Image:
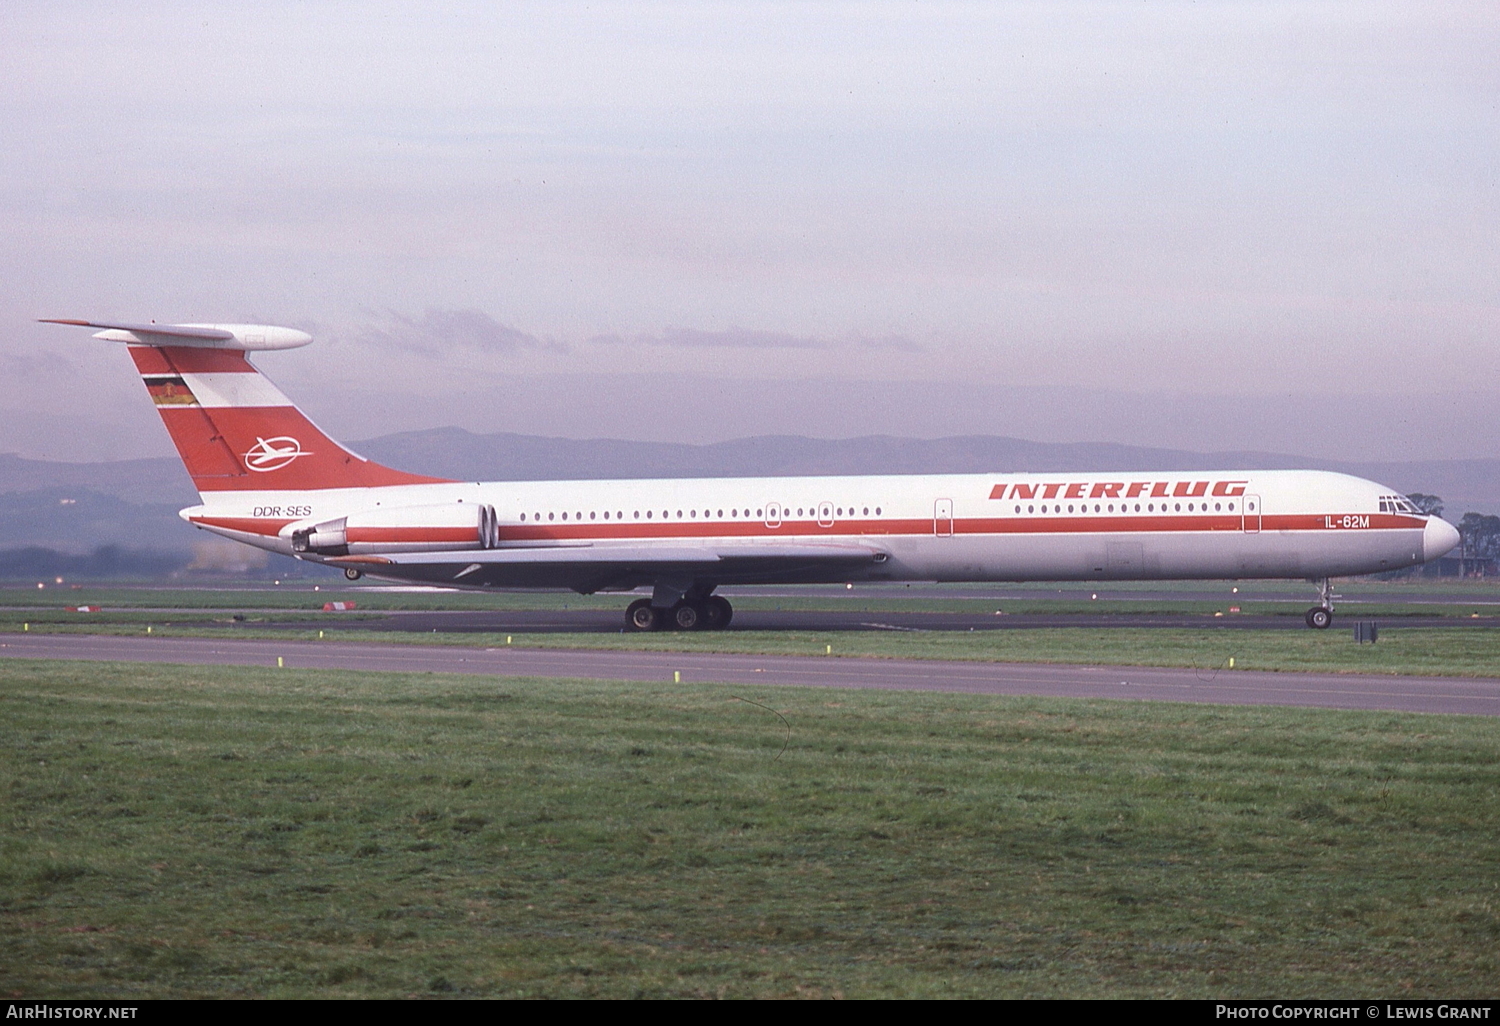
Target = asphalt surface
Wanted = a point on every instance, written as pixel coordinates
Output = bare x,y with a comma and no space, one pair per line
1467,696
612,621
1229,592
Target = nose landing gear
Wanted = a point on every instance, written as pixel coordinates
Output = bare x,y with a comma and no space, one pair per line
1319,617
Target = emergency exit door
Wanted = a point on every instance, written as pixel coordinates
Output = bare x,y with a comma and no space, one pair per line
1251,513
942,518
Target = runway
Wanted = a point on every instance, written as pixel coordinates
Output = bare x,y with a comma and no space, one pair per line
1467,696
612,621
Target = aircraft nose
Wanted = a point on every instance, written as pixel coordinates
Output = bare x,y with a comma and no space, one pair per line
1438,537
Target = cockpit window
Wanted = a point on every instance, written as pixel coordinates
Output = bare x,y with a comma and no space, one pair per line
1398,504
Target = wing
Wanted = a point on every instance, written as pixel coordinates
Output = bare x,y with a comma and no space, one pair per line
590,568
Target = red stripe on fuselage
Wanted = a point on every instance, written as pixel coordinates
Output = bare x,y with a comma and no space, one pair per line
852,529
998,526
246,525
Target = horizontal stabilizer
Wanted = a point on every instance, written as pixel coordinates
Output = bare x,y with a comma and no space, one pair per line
244,337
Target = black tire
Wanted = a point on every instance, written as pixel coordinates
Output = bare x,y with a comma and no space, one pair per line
686,616
1319,618
640,615
352,573
718,612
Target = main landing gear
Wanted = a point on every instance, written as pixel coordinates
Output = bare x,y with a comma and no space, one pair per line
1319,617
710,613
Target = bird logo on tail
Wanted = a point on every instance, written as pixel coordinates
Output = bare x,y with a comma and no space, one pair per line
269,454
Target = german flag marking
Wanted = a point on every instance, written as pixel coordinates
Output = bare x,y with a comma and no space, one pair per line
170,391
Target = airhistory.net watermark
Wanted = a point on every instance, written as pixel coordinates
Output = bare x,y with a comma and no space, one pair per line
42,1010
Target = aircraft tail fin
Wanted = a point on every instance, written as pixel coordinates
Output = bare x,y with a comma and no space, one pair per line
233,428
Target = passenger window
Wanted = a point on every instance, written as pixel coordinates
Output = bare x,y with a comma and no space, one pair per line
565,516
1030,509
523,518
877,511
550,516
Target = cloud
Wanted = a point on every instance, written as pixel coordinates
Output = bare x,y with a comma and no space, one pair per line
897,343
440,331
731,338
745,338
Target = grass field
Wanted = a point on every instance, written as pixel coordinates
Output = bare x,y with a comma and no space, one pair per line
232,832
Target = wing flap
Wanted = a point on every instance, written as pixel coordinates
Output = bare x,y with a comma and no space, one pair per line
618,555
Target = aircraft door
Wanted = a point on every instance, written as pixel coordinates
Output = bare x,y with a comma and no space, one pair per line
825,514
773,514
1250,514
942,518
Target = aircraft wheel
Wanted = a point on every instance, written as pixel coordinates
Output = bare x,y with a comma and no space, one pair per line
640,615
1319,618
717,612
687,616
352,573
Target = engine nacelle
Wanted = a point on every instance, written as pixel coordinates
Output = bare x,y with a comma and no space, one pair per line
453,525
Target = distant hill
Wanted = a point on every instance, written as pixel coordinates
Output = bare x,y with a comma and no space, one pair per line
453,452
134,502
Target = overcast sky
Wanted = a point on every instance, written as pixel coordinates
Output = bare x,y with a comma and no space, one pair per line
584,220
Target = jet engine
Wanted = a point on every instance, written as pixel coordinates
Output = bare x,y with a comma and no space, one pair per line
450,526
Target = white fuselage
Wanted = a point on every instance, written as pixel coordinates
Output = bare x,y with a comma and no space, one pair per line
968,527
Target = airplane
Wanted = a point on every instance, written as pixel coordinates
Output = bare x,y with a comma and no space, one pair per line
269,477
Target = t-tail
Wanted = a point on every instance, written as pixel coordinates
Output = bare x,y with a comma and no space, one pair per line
233,428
